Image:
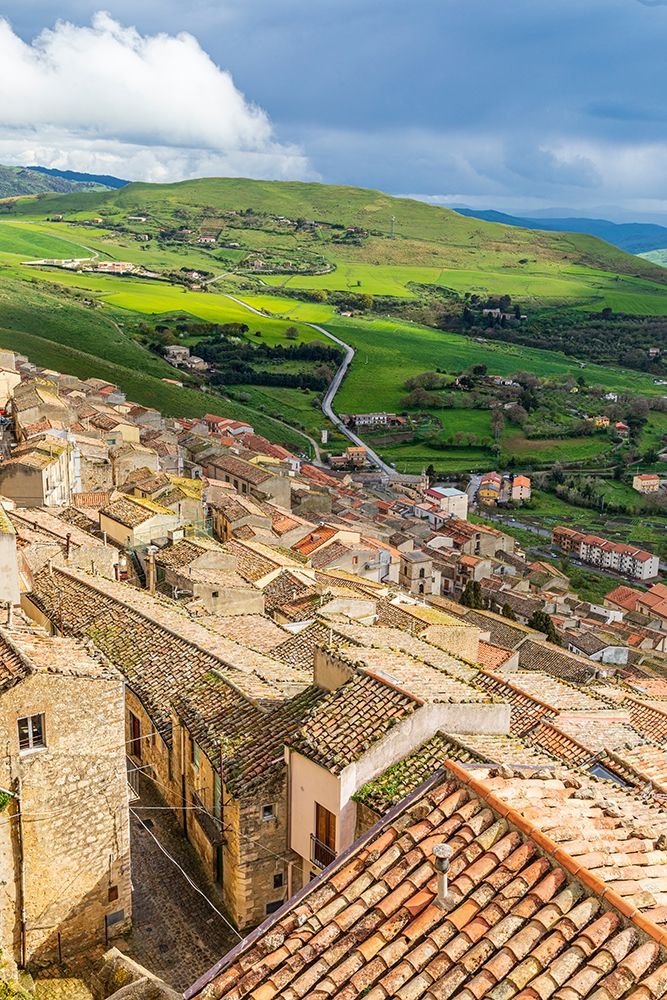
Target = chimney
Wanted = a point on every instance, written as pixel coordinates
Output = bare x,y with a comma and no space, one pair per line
150,568
442,853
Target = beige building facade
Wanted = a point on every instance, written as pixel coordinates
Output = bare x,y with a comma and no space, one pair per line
64,832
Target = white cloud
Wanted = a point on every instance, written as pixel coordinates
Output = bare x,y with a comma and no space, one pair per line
155,107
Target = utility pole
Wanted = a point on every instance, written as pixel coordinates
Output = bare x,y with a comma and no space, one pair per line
392,231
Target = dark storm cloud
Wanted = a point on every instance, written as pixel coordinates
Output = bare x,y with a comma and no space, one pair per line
556,99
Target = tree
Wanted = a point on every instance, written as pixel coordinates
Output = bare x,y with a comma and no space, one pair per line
472,595
292,333
497,423
542,622
508,612
431,473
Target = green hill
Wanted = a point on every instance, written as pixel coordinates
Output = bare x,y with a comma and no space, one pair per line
407,284
16,182
425,234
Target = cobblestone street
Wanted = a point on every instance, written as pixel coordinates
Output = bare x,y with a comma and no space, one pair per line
176,934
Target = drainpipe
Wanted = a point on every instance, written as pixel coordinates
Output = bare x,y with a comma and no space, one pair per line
21,860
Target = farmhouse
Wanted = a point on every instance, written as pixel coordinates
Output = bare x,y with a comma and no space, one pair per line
646,482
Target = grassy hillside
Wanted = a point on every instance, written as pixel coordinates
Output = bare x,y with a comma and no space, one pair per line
298,253
18,181
462,238
58,331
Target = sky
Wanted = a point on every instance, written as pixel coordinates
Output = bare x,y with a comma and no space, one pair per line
520,106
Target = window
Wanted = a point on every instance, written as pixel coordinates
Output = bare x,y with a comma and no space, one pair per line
195,753
32,734
272,907
113,893
135,736
278,881
215,593
267,812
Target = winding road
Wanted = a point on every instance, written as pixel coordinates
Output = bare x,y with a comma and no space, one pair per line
327,401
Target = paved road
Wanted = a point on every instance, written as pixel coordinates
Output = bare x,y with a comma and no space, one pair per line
327,401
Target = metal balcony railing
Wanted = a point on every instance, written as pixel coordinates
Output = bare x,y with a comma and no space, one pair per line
321,854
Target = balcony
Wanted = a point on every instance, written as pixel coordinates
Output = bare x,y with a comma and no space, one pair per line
321,854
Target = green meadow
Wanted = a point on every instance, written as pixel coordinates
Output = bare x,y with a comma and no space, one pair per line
84,320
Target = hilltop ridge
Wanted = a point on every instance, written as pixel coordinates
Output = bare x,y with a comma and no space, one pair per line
424,233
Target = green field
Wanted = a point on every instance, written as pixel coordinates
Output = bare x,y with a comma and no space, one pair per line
84,320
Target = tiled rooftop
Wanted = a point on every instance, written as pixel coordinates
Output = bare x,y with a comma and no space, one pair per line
159,650
547,658
133,511
402,778
251,565
517,920
563,696
424,680
385,637
349,720
503,632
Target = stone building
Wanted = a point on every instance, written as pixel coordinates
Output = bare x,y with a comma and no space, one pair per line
416,572
42,473
206,720
64,832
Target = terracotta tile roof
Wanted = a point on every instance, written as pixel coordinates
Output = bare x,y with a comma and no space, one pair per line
517,920
160,651
328,555
13,666
133,511
547,658
385,637
526,710
259,762
602,733
492,657
285,586
649,762
609,830
255,631
625,597
251,565
241,470
552,739
349,720
314,540
648,719
180,554
94,499
503,632
649,688
426,681
299,649
385,791
554,691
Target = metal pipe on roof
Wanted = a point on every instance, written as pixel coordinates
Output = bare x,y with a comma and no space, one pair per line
442,854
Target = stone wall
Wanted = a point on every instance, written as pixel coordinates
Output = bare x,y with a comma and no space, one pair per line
72,838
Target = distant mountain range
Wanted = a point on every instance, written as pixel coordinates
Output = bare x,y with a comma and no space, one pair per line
634,237
98,180
17,181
